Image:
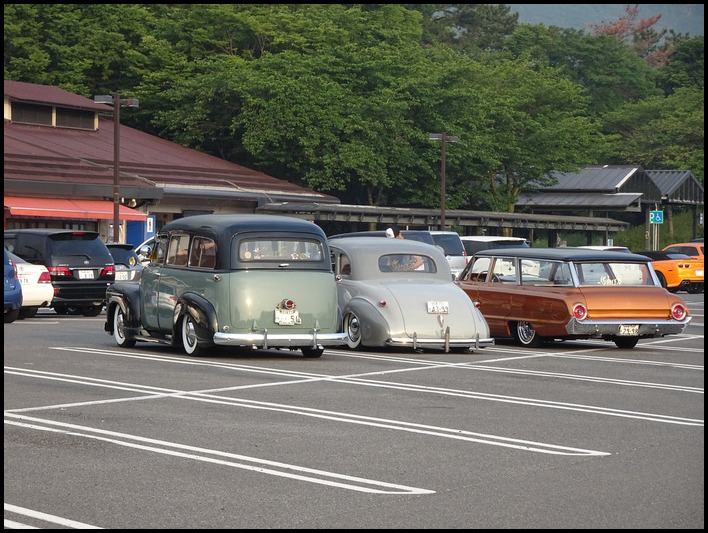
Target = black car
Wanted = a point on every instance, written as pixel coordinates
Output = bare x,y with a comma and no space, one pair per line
79,263
128,264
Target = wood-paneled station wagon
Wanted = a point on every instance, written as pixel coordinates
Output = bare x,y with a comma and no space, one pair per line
541,294
258,281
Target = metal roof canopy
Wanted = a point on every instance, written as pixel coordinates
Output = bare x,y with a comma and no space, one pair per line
402,216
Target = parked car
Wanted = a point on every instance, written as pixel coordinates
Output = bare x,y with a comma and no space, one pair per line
79,263
13,289
677,271
410,234
128,264
692,249
384,302
258,281
606,248
477,243
453,249
541,294
37,289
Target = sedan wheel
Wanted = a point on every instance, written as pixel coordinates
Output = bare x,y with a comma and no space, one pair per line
190,342
119,329
352,327
312,352
28,312
526,335
94,310
11,316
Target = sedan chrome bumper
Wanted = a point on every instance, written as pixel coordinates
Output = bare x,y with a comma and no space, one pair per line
266,340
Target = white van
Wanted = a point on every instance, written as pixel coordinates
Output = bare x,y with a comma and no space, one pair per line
475,243
453,249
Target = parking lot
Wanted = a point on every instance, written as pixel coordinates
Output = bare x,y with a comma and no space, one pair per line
570,435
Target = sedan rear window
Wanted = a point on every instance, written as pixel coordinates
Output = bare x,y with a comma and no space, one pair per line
279,250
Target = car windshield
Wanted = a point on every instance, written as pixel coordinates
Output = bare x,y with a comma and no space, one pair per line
279,250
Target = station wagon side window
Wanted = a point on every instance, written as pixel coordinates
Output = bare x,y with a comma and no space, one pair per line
178,250
504,270
203,253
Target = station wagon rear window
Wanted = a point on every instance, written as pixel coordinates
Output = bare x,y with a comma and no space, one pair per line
258,250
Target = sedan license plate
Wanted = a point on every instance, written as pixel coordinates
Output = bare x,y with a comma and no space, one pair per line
631,330
438,308
85,274
287,317
24,280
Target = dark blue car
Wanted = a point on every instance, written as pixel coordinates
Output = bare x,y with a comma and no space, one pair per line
13,289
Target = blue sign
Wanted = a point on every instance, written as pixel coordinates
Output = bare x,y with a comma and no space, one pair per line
656,217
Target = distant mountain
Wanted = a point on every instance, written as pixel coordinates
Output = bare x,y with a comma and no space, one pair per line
681,18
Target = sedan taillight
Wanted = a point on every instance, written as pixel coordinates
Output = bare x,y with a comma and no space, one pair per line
44,277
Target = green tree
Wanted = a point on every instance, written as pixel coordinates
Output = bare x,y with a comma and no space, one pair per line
661,132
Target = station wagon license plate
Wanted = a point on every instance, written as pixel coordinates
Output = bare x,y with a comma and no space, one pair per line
438,308
631,330
287,317
85,274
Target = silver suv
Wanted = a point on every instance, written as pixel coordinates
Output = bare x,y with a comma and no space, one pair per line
453,249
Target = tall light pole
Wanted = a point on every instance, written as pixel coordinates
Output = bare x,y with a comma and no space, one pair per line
117,104
444,139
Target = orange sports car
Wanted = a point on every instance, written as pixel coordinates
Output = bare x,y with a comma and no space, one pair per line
693,249
677,271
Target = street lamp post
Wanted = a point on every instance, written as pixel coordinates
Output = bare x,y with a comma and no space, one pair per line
444,139
117,104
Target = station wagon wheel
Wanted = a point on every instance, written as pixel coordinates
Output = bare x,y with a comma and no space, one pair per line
119,329
190,342
309,351
526,335
626,343
352,327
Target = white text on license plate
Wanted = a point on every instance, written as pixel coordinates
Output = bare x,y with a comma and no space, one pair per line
438,308
629,329
85,274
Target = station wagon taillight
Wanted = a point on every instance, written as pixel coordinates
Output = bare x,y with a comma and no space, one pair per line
580,312
678,312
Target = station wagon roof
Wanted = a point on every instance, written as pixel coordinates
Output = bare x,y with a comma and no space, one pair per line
563,254
232,224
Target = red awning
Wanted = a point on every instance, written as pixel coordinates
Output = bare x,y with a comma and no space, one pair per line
60,208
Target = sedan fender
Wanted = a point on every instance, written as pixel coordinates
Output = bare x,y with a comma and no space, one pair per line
202,313
375,327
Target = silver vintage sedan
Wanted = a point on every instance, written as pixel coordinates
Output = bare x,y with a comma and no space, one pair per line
400,293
